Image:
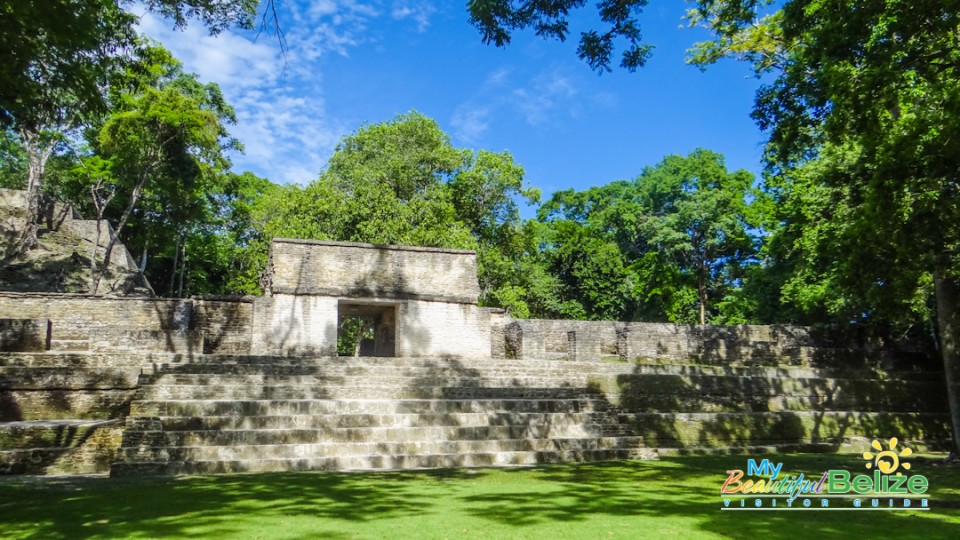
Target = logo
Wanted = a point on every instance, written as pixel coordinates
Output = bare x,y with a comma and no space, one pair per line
887,461
766,485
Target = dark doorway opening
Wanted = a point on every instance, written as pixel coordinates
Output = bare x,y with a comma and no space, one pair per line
366,329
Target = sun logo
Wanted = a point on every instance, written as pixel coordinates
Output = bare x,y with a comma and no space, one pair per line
887,461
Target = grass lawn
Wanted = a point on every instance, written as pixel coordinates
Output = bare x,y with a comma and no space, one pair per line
672,498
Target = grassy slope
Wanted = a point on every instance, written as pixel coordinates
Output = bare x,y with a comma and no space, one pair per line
674,498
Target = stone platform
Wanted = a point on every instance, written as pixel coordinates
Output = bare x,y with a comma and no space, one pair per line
181,414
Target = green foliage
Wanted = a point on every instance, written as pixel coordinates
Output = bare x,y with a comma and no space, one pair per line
497,19
862,151
57,55
217,15
677,238
402,182
156,165
13,161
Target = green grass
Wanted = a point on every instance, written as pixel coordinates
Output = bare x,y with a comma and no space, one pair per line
674,498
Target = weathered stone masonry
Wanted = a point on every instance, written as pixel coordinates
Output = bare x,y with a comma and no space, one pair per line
432,294
206,385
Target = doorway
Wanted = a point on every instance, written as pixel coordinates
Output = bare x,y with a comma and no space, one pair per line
366,329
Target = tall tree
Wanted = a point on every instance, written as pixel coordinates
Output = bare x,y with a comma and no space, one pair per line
403,182
55,59
699,218
684,231
877,79
164,140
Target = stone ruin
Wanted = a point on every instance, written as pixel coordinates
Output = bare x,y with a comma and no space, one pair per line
136,386
423,300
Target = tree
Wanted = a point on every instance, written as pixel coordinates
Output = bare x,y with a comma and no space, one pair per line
403,182
165,140
497,19
683,232
55,59
873,78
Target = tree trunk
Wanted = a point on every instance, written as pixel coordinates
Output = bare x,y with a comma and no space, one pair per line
702,292
114,234
176,261
183,268
38,153
93,255
948,318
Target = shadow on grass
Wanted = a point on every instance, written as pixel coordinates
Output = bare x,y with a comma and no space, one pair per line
194,506
683,493
677,494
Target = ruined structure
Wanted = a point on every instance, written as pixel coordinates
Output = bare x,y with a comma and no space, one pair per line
424,300
206,385
61,261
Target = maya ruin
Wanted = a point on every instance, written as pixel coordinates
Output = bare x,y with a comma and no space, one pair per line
141,385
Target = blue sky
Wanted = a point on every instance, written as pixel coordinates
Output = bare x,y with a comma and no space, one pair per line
356,62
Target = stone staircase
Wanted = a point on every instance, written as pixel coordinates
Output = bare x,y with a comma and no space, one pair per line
162,413
252,414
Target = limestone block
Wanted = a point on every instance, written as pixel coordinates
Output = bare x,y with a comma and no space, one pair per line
291,325
24,335
352,270
442,329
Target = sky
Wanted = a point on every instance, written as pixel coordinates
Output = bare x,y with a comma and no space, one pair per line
351,63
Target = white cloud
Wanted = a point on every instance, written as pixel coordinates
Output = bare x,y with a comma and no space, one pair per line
548,94
227,59
419,12
282,120
278,122
540,100
470,123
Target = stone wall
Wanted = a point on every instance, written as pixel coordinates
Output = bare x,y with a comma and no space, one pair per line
96,323
286,324
444,330
13,216
434,292
352,270
744,345
24,335
72,234
52,386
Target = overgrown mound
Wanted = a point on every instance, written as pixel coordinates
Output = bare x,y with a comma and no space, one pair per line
60,262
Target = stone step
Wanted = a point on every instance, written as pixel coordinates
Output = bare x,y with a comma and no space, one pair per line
372,379
64,404
69,345
391,420
58,447
140,437
629,386
748,450
48,433
53,359
243,452
713,403
358,406
292,392
640,386
377,462
51,378
267,429
419,366
682,430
